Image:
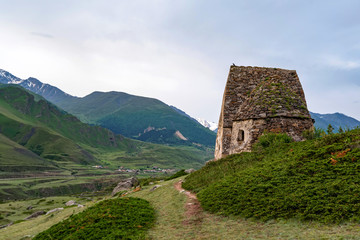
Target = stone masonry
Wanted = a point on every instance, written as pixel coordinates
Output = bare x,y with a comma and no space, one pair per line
256,100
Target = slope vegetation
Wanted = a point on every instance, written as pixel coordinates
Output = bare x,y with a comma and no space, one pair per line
311,180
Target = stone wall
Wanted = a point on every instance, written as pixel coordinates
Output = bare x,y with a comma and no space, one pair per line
254,128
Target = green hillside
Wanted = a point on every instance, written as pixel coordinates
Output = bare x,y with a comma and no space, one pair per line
316,179
55,135
131,115
47,131
16,158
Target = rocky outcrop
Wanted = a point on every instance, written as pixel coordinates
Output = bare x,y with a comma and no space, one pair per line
54,210
125,185
35,214
70,203
155,187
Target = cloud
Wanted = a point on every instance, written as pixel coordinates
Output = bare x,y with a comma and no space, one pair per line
44,35
180,51
336,62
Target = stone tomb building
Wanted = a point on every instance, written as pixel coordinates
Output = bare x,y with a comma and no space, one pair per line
260,99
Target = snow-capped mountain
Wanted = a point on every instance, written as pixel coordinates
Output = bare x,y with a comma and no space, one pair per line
210,125
49,92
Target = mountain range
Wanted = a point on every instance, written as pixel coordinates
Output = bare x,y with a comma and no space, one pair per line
38,136
146,119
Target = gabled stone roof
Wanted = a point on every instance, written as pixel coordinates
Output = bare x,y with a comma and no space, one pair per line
274,96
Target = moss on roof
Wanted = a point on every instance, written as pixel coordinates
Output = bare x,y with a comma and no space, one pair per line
273,97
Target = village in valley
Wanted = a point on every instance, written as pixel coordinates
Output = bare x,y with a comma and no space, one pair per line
153,169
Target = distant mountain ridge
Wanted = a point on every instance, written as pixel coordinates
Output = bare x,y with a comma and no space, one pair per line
49,92
336,120
124,113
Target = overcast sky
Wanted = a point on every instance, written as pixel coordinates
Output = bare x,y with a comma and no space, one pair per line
180,51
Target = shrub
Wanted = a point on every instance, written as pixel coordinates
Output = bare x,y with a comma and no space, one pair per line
119,218
177,174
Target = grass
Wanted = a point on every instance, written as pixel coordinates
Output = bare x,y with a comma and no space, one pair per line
149,155
39,224
17,210
177,174
45,186
311,180
169,207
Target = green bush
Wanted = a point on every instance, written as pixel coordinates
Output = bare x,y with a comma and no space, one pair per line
177,174
311,180
272,139
119,218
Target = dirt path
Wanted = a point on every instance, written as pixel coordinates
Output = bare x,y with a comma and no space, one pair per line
193,211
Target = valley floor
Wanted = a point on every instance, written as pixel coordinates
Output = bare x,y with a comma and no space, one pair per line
180,217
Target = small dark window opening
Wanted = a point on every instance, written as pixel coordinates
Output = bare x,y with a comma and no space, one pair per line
241,136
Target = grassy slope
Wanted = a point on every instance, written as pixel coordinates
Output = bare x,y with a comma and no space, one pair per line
311,180
170,209
15,211
14,157
130,115
169,206
23,104
39,224
58,136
